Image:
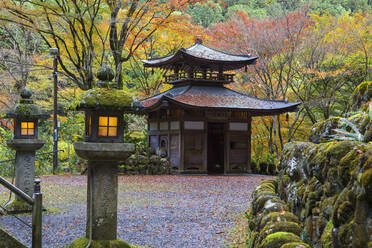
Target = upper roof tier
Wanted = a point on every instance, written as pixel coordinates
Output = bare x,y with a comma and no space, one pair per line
199,57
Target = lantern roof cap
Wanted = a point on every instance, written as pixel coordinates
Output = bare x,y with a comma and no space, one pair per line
106,99
26,107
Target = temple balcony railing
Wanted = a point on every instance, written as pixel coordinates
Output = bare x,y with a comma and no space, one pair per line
199,76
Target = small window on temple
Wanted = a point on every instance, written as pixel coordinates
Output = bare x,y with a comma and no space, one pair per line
27,128
108,126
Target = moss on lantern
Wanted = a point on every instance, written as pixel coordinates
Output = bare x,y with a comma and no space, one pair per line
28,110
106,98
26,107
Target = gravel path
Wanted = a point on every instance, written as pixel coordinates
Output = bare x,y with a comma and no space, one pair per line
153,211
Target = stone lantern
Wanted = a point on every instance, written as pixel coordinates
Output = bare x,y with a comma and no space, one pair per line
104,149
26,116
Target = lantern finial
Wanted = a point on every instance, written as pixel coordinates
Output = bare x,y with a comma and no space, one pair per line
26,96
105,75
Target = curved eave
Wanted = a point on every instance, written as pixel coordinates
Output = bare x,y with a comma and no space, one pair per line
292,107
181,55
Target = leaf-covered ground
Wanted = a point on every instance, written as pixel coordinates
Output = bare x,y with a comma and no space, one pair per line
153,211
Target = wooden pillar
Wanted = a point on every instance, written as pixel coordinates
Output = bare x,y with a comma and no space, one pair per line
148,132
205,148
249,168
204,73
182,142
169,136
220,72
176,71
227,168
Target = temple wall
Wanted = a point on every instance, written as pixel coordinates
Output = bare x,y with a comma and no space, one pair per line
186,139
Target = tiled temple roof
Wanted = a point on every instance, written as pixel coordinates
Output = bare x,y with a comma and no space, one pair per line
218,97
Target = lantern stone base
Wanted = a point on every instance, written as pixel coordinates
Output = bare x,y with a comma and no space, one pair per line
25,145
102,193
25,163
104,151
83,242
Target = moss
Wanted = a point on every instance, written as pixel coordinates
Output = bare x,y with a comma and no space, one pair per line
347,165
367,183
338,150
17,205
285,226
329,155
266,185
365,123
370,244
83,242
276,240
322,130
344,208
368,135
345,234
259,203
327,206
367,158
295,245
284,180
326,238
51,210
278,217
275,205
28,110
362,94
364,88
251,239
106,98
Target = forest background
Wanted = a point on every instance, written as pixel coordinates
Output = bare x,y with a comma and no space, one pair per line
314,52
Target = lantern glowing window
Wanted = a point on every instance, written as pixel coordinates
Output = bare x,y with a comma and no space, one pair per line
108,126
27,128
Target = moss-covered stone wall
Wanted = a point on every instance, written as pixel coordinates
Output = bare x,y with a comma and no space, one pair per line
271,224
322,196
328,187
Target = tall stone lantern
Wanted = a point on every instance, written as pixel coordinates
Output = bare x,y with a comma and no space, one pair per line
104,149
26,116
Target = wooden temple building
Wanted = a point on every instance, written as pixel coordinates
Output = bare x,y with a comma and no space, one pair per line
200,125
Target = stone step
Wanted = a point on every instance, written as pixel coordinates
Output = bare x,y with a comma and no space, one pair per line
8,241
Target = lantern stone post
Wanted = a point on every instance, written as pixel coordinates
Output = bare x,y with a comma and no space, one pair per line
25,117
104,149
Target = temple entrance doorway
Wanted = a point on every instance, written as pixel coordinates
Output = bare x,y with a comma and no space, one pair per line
216,148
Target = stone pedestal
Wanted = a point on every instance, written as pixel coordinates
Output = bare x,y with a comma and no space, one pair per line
25,163
103,160
103,187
